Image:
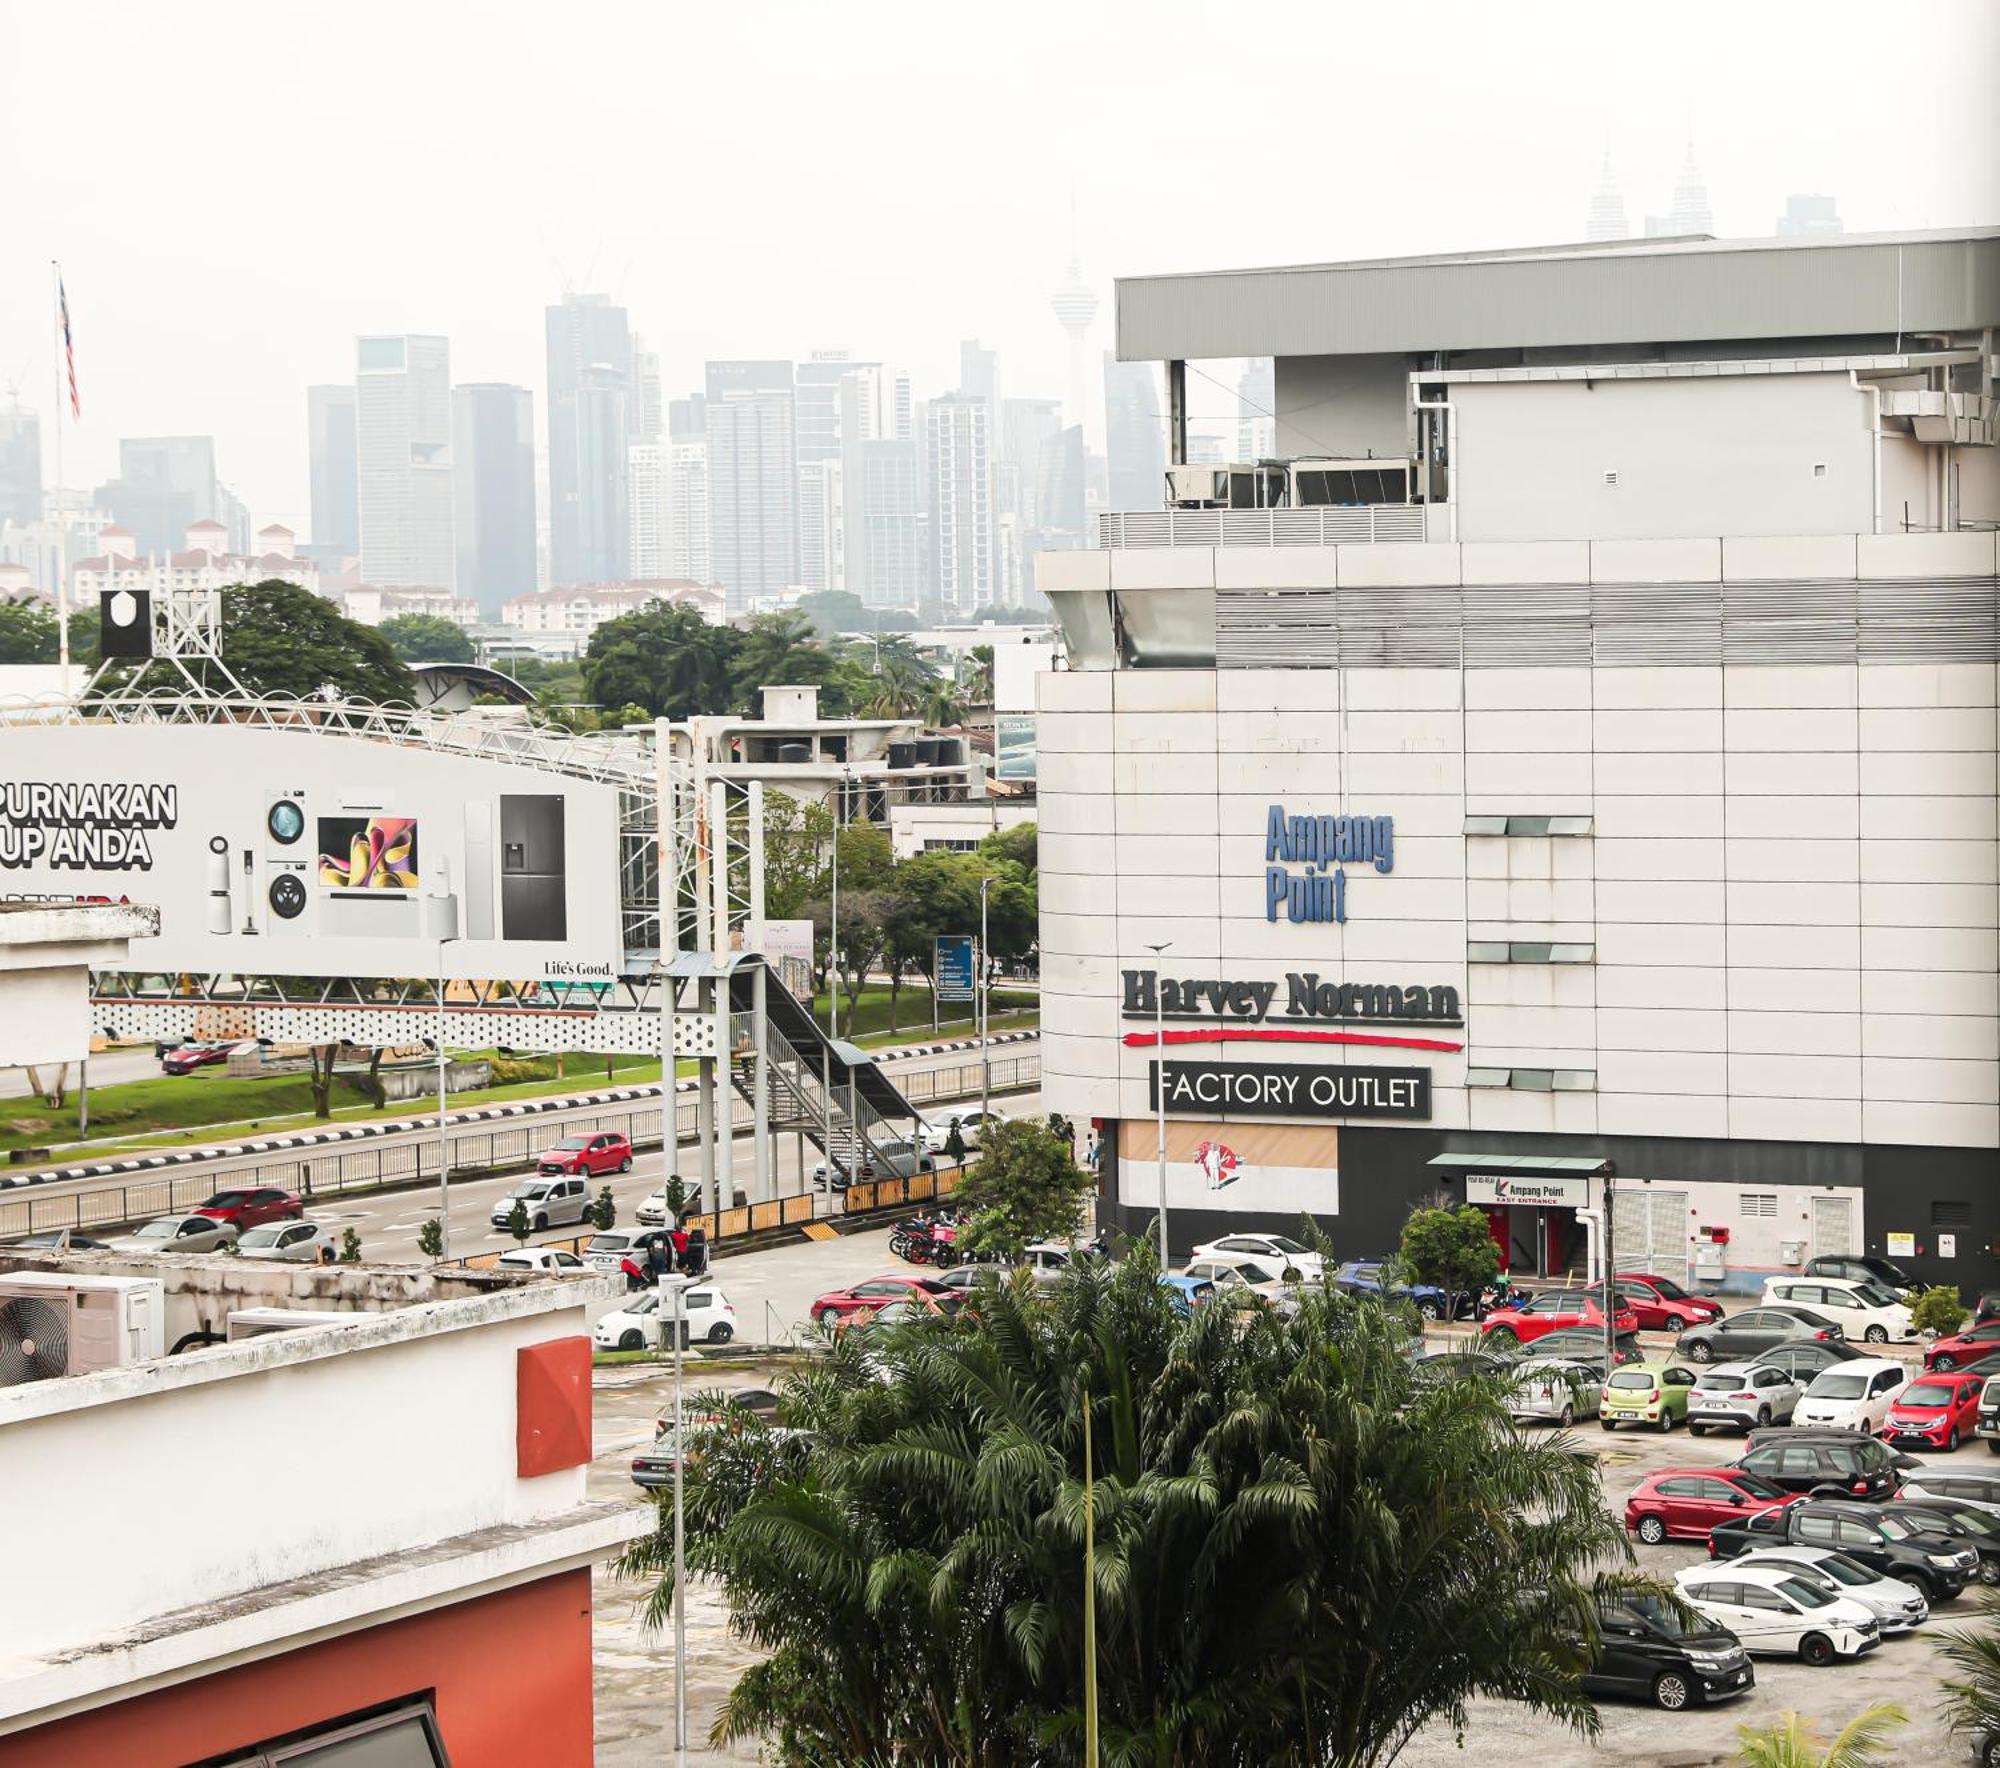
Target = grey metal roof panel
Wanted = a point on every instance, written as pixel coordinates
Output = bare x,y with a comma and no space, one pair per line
1661,290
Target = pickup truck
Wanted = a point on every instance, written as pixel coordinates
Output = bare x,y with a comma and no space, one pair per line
1894,1546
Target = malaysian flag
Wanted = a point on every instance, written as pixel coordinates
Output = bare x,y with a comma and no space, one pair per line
69,347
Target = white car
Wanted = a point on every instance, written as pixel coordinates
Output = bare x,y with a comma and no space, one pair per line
1773,1611
644,1323
1273,1254
295,1243
190,1233
1555,1391
971,1126
1741,1395
1897,1606
1047,1259
1854,1395
1236,1280
1864,1312
550,1261
653,1211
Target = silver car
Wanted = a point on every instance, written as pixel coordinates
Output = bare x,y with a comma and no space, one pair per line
1899,1606
1554,1391
292,1243
1741,1396
550,1201
881,1160
191,1233
1976,1486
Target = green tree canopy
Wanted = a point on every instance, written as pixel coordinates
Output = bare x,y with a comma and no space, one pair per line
1026,1186
1302,1555
1450,1248
28,633
280,639
779,650
664,658
427,638
1017,845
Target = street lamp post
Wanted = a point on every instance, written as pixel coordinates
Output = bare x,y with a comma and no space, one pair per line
441,923
1160,1089
985,1051
673,1284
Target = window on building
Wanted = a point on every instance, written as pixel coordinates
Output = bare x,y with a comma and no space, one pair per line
1950,1212
1519,826
1758,1205
1528,951
402,1736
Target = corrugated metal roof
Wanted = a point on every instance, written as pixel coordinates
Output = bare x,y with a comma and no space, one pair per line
1634,292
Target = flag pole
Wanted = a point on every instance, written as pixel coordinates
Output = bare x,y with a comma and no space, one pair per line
62,507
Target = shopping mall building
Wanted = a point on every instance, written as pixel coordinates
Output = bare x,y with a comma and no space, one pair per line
1570,765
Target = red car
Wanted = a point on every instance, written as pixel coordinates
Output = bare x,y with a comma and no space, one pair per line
1936,1411
1684,1503
1964,1347
252,1208
1663,1305
1553,1310
590,1155
189,1057
838,1306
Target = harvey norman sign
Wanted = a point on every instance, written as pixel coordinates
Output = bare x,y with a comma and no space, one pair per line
1307,995
1269,1089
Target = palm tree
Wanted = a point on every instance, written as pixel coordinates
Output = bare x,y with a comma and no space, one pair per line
1301,1556
1972,1701
1794,1742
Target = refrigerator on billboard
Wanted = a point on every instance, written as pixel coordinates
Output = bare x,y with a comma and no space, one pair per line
533,876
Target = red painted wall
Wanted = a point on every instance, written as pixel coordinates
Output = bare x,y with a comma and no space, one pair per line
511,1673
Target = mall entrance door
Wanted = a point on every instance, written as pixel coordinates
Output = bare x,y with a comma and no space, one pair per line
1536,1240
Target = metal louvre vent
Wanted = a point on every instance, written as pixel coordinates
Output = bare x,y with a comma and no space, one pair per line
1835,620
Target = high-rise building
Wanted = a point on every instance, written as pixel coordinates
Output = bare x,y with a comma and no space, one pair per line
1025,425
336,510
591,408
651,509
816,403
1805,217
234,515
1135,436
649,408
1059,485
687,419
1606,220
888,568
687,509
753,483
822,526
20,465
164,484
1690,213
1256,409
493,492
402,445
959,469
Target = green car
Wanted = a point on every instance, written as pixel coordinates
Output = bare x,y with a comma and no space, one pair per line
1646,1393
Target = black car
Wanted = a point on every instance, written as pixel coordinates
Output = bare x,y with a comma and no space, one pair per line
1863,1270
1901,1460
1966,1524
1664,1652
1895,1546
1744,1337
1857,1466
1583,1344
1803,1358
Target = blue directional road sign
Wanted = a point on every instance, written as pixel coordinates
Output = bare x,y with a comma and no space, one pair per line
953,967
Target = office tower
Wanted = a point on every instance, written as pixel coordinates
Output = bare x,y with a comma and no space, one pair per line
687,419
822,526
1690,213
164,485
1805,217
1606,220
234,515
493,492
753,484
1026,424
651,512
1256,405
1135,436
816,403
961,502
649,410
402,444
979,378
336,511
20,466
886,533
687,509
590,408
1059,485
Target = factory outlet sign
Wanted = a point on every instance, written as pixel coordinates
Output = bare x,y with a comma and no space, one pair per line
1536,1193
1306,860
1307,996
1258,1089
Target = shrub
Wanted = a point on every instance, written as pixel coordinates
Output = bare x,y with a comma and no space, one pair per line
604,1212
1938,1310
430,1239
518,1224
509,1071
350,1248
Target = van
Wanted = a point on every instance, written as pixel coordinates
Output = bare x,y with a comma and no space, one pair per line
549,1202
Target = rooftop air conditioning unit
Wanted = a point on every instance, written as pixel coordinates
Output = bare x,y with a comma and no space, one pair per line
261,1322
55,1323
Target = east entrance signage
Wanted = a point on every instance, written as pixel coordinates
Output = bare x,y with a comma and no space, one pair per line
1535,1193
1307,995
1259,1089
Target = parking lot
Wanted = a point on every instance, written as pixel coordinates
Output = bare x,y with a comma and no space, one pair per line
634,1669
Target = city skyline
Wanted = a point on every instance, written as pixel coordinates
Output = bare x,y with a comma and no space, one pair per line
713,270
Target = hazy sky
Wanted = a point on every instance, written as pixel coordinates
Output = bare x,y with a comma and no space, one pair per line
236,189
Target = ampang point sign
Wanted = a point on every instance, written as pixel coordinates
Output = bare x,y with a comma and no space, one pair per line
1324,846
